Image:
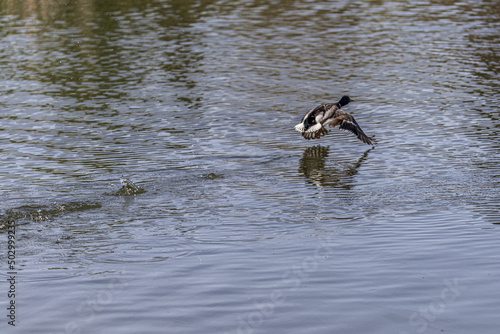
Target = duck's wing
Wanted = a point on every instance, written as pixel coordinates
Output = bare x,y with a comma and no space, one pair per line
347,122
309,119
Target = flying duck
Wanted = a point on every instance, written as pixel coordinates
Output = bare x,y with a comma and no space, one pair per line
313,124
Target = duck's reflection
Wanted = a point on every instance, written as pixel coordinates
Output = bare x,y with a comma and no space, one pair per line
312,166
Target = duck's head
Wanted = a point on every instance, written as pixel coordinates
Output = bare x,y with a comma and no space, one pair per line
344,100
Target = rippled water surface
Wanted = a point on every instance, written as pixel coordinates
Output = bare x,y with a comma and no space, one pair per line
238,224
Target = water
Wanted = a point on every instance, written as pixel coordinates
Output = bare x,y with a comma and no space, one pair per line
237,224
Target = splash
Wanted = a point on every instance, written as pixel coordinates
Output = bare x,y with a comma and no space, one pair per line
128,188
38,213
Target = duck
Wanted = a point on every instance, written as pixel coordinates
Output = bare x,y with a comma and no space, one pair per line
313,124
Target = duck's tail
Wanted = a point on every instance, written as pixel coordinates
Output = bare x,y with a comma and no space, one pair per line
300,127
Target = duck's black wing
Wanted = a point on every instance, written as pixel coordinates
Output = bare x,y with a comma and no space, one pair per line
347,122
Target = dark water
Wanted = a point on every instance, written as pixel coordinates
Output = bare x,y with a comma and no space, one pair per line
239,224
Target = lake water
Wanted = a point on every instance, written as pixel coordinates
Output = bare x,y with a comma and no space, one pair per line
238,224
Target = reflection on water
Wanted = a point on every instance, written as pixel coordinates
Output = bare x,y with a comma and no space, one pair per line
312,166
195,101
